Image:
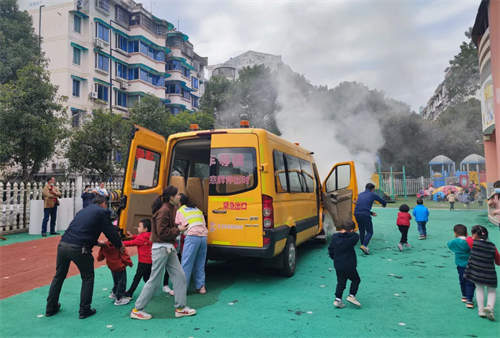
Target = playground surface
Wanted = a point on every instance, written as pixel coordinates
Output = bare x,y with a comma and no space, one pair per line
414,293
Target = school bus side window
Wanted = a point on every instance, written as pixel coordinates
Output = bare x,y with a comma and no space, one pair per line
305,167
340,178
146,169
280,172
294,174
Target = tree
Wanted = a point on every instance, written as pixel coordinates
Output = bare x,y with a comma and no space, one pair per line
215,96
18,41
463,81
31,120
151,114
92,148
180,123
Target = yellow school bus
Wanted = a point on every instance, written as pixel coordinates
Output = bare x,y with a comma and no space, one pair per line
261,195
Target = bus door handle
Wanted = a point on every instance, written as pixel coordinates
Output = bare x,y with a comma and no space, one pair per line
219,211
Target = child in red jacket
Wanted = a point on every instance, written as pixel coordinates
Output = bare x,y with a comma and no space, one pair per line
403,223
144,246
117,263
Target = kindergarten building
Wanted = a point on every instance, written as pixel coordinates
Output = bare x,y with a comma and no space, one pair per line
486,37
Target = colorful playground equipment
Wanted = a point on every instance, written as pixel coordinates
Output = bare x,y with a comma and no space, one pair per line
442,162
466,174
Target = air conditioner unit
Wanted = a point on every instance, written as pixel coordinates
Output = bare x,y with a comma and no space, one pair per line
199,75
93,95
79,4
99,44
123,85
133,18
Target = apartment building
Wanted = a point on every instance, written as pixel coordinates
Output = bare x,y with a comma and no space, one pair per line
439,101
111,53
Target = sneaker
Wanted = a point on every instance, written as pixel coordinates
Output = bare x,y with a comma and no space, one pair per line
353,300
339,304
87,314
168,290
400,247
365,249
489,314
127,295
44,234
421,237
469,304
464,299
112,296
138,314
201,290
407,245
481,314
122,301
185,311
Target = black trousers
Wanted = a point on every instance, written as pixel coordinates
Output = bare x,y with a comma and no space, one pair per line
452,205
143,272
119,283
403,229
342,277
67,253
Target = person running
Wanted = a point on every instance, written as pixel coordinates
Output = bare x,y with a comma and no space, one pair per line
363,213
451,198
421,214
403,223
163,234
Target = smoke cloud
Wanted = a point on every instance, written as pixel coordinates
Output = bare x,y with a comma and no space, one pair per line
329,129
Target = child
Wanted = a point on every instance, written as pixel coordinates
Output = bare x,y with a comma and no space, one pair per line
421,214
144,246
403,223
341,250
451,199
466,199
479,199
117,263
481,270
462,252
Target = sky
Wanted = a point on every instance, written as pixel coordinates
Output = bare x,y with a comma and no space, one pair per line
401,47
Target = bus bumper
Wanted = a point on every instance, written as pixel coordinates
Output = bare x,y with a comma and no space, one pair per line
216,252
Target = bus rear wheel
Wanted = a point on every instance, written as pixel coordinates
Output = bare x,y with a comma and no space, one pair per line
289,257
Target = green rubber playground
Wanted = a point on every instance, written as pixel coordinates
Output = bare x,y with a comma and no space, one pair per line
414,293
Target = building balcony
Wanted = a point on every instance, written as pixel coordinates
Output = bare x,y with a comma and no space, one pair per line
178,99
139,58
176,75
139,30
144,87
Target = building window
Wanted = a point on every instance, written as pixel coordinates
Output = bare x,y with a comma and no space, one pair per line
174,41
122,71
133,46
195,102
121,42
185,71
185,94
121,99
161,30
102,32
76,119
194,82
104,5
174,88
101,62
77,24
122,15
76,56
76,88
102,91
175,111
173,65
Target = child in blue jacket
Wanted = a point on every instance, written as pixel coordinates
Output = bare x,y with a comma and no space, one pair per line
421,214
461,249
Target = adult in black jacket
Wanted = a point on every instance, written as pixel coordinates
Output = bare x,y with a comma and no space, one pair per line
76,246
342,252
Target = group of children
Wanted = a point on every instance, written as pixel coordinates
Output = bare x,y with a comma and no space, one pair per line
475,258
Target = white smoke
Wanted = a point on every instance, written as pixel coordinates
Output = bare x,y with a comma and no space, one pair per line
318,127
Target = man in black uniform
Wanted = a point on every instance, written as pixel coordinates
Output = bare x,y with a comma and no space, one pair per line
76,246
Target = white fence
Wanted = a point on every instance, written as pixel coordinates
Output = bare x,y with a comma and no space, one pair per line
413,186
13,198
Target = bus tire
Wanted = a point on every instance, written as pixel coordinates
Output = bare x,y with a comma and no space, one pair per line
289,257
